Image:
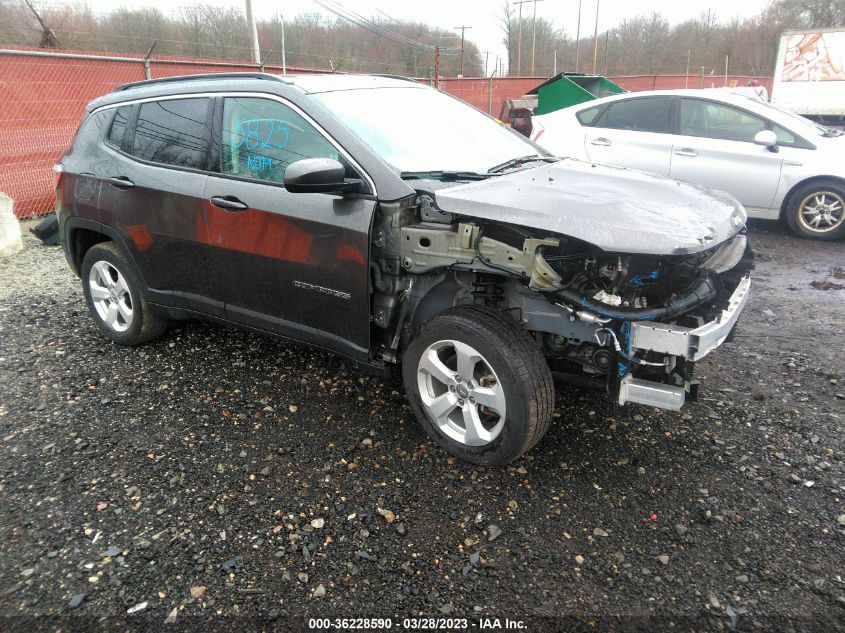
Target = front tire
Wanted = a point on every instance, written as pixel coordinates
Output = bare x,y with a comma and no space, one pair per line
113,292
478,385
817,211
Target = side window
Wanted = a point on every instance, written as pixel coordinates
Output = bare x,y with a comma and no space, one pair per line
647,114
785,137
118,126
719,121
588,117
174,132
261,137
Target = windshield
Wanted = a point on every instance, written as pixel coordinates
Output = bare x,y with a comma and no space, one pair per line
419,130
809,127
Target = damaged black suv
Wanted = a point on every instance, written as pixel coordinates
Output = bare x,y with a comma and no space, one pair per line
391,223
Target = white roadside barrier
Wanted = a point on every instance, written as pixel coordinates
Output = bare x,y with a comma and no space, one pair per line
10,230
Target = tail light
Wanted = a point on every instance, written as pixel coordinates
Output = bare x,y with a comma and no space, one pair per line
58,170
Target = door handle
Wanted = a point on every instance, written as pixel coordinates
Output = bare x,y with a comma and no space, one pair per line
686,151
601,141
230,203
121,182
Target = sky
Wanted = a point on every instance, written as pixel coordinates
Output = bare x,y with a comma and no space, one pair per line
483,15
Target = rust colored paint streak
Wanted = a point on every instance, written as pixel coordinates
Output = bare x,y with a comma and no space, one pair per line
349,253
140,236
258,233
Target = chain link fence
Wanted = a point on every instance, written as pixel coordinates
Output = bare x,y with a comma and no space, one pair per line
43,96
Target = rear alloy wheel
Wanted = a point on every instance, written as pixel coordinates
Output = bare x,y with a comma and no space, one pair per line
110,296
113,292
818,211
478,385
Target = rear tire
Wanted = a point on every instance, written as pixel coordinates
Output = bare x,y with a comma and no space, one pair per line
817,211
479,385
113,292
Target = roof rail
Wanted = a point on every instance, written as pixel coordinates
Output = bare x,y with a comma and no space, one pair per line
400,77
200,77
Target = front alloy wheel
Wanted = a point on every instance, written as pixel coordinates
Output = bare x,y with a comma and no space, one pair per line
479,385
461,393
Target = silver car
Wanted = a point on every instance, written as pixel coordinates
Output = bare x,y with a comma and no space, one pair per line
778,164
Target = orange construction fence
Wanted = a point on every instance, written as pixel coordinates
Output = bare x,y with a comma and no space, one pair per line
43,96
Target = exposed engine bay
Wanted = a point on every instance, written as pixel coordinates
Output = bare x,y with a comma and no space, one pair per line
631,324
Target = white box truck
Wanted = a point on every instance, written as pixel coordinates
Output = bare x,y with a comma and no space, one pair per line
810,74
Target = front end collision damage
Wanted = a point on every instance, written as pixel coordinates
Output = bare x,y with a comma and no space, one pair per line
632,324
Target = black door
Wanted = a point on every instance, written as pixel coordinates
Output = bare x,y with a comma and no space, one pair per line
294,264
153,196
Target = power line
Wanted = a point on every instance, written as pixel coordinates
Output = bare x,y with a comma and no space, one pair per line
339,10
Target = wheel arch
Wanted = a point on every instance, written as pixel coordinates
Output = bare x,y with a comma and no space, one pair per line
432,295
81,234
80,240
787,200
437,293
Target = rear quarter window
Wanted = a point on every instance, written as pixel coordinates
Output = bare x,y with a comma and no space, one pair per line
589,116
118,126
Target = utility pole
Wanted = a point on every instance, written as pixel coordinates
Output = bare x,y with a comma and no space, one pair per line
578,37
250,21
596,38
534,36
519,43
606,37
284,59
437,67
464,28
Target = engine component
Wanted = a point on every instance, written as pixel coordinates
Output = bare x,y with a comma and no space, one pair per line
699,292
612,300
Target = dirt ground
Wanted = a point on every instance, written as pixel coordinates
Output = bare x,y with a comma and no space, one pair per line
219,480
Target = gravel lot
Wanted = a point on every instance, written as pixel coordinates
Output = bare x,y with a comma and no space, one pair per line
227,480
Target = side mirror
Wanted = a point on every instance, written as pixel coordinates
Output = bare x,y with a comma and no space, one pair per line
767,138
318,175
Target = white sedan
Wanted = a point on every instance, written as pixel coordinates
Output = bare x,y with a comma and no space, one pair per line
778,164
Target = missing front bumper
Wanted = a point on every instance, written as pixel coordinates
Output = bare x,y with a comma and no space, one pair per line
652,394
690,343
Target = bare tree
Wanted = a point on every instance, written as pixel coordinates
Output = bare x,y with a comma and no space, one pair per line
550,40
48,37
816,13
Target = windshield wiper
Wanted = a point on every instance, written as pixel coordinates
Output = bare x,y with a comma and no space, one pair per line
513,162
439,174
829,132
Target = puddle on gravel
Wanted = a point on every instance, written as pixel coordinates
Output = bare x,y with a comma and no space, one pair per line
826,284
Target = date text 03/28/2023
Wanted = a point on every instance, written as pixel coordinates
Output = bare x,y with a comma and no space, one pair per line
416,624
